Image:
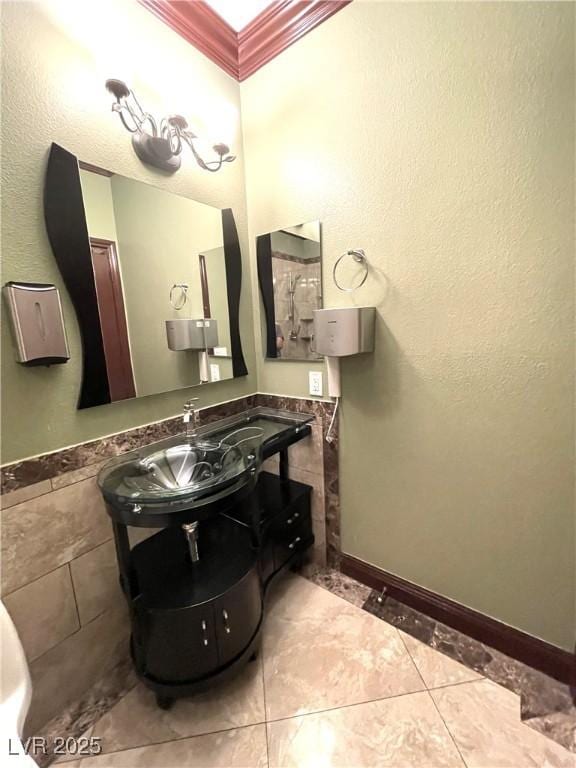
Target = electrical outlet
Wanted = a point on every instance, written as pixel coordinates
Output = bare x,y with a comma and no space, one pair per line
214,372
315,383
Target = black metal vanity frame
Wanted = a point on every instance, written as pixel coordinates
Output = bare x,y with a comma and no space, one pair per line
197,623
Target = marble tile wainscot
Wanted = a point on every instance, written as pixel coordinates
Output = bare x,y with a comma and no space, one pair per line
323,410
60,581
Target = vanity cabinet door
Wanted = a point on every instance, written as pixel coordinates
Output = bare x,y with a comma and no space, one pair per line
180,645
237,615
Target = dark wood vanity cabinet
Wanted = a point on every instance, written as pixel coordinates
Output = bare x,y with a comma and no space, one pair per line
194,618
196,589
191,642
195,621
176,645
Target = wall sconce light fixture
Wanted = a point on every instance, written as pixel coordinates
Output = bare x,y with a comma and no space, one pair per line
160,147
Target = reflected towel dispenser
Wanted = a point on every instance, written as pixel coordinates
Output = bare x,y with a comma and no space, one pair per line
210,332
188,334
185,334
37,323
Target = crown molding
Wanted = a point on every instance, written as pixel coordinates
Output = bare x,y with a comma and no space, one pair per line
279,26
240,54
197,23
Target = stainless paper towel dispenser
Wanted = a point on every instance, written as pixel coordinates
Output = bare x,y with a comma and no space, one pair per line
344,331
37,323
189,334
340,333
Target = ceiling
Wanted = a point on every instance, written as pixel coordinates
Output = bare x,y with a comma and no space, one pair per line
238,13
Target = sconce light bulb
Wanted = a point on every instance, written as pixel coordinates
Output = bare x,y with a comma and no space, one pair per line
178,122
117,88
221,149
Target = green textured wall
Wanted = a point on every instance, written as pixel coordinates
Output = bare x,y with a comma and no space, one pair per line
53,69
439,137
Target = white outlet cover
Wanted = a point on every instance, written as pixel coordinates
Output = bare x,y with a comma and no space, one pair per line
214,372
315,383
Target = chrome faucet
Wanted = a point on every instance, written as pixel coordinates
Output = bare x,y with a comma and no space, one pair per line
191,418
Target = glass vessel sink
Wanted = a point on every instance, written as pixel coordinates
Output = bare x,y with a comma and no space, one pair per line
181,473
178,469
190,465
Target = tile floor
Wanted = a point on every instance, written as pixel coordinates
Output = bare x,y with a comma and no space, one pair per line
333,686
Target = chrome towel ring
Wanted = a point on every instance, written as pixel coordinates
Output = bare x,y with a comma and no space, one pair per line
182,299
360,257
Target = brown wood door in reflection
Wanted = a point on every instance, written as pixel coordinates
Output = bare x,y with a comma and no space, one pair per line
112,318
205,292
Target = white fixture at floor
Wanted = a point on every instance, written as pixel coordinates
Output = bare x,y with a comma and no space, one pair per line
15,693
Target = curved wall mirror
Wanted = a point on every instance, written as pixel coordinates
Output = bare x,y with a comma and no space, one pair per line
290,277
134,259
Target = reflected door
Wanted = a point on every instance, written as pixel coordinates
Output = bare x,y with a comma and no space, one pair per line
112,319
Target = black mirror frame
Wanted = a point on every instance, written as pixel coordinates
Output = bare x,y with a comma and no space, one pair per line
68,235
264,266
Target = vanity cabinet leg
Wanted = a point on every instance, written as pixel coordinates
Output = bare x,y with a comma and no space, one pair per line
127,575
164,702
284,464
297,564
253,514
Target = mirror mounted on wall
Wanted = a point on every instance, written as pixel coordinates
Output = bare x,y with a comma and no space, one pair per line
126,250
290,277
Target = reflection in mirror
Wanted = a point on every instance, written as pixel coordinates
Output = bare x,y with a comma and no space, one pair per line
129,255
290,277
215,305
156,257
